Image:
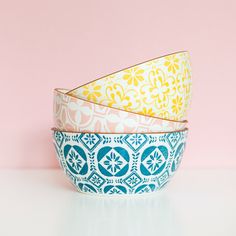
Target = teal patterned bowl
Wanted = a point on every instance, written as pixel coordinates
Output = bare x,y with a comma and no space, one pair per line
99,163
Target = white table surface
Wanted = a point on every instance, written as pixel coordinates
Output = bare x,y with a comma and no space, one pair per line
42,202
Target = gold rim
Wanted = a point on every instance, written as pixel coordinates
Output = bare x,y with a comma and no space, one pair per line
156,58
75,132
154,117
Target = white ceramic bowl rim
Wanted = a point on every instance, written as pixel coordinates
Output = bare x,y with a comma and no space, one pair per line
73,132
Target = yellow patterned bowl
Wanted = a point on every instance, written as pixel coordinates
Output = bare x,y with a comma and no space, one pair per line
160,88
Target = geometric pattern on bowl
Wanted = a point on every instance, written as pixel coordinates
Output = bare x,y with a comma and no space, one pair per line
110,164
73,114
160,88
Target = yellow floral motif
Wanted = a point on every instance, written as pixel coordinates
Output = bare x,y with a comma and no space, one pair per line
148,112
158,86
176,87
117,97
91,92
185,78
177,104
163,112
133,75
172,63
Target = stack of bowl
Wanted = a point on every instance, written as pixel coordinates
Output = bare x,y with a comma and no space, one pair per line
125,133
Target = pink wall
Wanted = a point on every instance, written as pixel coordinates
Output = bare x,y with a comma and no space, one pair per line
50,43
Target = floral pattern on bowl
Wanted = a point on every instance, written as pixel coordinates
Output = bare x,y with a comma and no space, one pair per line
160,88
119,163
73,114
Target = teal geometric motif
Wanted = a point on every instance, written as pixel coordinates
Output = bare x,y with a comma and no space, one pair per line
119,164
90,141
58,152
96,179
111,189
173,139
153,160
59,138
76,159
146,188
113,161
163,178
135,141
133,180
86,188
177,158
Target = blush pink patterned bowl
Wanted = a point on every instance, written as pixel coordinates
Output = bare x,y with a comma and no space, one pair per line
78,115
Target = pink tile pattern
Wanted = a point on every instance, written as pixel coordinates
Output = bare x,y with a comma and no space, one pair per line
73,114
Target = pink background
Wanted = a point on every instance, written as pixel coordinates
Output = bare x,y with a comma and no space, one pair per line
52,43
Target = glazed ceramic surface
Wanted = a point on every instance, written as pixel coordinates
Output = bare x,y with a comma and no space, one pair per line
73,114
119,163
159,88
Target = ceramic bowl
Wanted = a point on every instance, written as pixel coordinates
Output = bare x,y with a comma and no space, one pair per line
139,163
73,114
160,88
